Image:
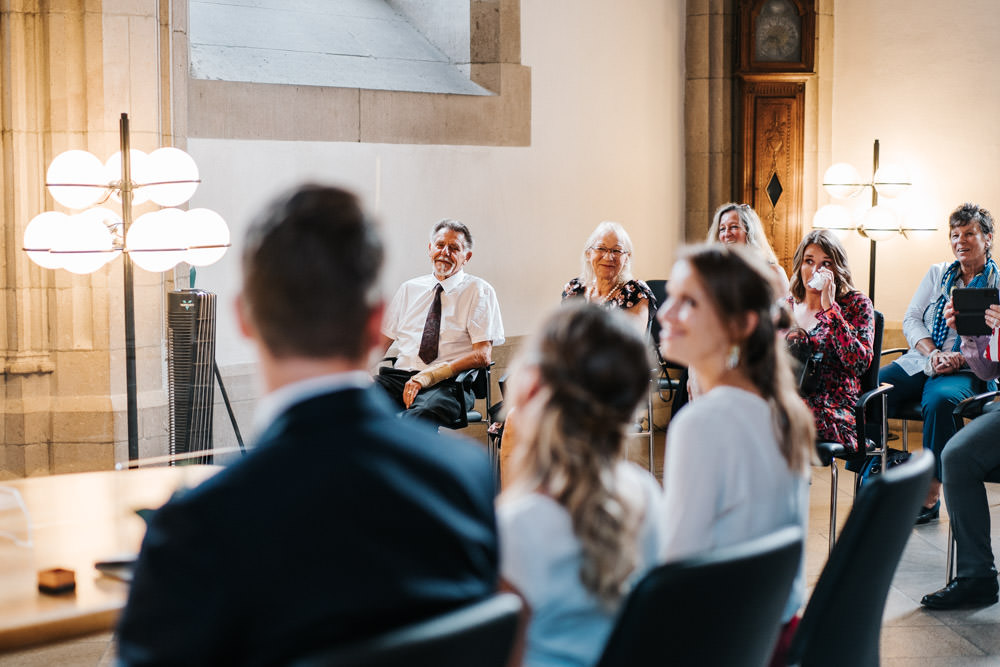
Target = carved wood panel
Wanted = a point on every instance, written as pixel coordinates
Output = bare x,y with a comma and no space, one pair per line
773,118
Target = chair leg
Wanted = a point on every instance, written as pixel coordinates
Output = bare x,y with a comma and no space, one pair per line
493,445
833,504
950,567
649,426
904,429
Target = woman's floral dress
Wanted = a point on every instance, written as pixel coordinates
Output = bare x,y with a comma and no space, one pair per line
625,296
844,334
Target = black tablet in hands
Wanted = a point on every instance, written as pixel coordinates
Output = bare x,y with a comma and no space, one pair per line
970,304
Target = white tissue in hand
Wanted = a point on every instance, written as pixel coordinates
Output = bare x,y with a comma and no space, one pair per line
818,281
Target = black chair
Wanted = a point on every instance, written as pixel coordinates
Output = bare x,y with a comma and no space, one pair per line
871,424
842,623
672,389
476,379
723,608
970,408
666,385
481,633
913,410
479,380
910,411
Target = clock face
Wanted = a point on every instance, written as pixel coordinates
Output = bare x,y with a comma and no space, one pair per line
778,35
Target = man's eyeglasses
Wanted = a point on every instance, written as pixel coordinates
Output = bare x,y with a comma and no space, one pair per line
616,253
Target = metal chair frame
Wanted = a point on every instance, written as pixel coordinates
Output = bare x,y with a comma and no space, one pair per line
970,408
830,452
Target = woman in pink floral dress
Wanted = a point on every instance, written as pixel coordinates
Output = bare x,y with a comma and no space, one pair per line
840,323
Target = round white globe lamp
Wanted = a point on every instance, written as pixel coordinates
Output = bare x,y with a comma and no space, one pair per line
207,236
172,176
842,181
76,179
39,236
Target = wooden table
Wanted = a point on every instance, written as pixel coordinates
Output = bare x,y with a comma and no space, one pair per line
77,520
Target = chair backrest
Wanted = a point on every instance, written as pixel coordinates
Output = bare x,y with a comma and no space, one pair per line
869,379
659,289
843,621
723,608
481,633
481,381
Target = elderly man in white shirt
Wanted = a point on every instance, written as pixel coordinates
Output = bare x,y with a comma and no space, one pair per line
437,326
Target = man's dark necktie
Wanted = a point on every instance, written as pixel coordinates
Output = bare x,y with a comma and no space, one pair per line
432,329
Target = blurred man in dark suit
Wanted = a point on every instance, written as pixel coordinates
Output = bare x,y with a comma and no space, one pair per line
343,521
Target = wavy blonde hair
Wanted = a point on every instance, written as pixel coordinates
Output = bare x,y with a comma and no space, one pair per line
756,238
592,372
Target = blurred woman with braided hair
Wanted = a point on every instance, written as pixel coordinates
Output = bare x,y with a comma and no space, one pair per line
737,459
578,523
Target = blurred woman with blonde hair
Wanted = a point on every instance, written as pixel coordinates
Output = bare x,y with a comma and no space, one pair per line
578,523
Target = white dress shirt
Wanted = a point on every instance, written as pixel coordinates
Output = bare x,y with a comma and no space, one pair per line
470,313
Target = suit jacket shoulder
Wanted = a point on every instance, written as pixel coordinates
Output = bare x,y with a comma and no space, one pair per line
347,519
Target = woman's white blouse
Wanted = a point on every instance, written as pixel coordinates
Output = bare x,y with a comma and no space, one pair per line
725,482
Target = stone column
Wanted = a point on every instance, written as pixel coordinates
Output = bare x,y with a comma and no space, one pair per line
69,70
710,114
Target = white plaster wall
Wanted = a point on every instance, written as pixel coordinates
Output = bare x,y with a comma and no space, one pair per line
923,77
607,143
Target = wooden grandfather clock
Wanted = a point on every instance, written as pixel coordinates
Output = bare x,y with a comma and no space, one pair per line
776,51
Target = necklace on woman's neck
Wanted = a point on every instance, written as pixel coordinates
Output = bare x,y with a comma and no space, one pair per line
594,295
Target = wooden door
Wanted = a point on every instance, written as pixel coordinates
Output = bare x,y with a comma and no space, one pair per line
772,130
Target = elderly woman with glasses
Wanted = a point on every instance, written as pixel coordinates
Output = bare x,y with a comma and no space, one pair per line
934,370
605,280
606,276
739,224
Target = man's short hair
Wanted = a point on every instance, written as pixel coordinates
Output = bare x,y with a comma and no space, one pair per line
455,226
311,263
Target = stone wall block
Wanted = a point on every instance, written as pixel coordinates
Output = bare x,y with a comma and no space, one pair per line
485,30
696,119
91,426
81,372
69,457
510,31
696,46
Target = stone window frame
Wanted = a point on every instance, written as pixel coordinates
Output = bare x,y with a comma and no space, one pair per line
209,109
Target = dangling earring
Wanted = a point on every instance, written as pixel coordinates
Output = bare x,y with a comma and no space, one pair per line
733,358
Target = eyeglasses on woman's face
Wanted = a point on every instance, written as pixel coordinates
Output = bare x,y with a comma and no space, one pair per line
615,253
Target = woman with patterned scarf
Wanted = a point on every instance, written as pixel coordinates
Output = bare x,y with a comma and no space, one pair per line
934,369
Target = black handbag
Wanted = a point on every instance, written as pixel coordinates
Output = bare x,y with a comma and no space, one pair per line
805,363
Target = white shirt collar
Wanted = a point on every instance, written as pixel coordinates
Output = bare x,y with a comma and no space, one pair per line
451,282
271,406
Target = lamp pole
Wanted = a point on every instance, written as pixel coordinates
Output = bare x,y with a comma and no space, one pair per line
130,372
871,250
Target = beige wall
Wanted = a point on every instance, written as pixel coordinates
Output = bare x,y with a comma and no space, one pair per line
920,76
607,143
